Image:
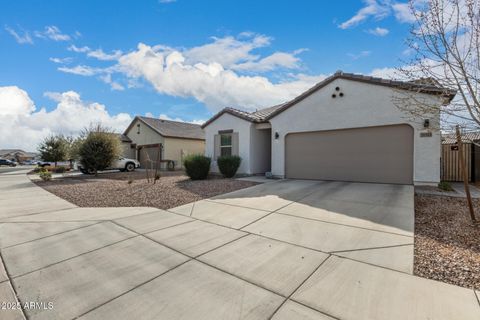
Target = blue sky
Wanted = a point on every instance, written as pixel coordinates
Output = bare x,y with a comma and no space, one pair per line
194,58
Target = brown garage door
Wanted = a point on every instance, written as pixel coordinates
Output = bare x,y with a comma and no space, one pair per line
375,154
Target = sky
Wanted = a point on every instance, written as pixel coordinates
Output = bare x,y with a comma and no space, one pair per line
66,64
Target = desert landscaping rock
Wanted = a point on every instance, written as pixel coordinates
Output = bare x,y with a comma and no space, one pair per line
447,245
114,190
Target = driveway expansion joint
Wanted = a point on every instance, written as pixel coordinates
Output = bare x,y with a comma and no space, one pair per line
10,284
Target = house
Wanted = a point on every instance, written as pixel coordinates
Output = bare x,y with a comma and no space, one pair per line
150,138
347,127
450,169
17,155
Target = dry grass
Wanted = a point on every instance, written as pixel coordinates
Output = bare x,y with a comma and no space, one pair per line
132,190
447,245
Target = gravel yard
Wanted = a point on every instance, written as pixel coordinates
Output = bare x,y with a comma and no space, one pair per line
447,246
114,190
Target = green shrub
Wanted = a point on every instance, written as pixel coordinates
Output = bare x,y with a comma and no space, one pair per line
98,149
445,186
228,165
197,166
60,169
45,175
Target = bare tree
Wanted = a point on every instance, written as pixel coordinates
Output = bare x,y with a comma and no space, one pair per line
445,42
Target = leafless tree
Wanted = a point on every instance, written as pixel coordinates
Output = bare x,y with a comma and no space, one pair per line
445,46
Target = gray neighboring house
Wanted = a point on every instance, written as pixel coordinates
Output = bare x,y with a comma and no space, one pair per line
18,155
146,136
346,128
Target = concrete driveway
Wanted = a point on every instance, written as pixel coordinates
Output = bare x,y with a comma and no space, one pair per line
280,250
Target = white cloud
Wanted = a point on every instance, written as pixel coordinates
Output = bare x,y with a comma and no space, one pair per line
61,60
74,48
107,78
216,74
403,12
52,33
21,126
81,70
209,83
372,8
361,54
20,38
100,55
272,62
226,51
381,32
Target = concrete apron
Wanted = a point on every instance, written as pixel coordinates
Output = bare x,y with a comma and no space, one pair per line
281,250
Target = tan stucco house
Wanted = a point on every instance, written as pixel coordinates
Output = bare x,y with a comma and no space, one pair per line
172,140
347,128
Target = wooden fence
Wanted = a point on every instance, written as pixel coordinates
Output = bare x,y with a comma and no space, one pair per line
450,163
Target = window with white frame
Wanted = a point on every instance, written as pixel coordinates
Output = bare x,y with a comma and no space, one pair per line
226,144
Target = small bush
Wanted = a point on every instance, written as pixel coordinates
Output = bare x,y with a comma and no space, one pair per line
60,169
197,166
445,186
45,175
228,165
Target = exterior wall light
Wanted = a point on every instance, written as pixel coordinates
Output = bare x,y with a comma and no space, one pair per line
277,135
426,123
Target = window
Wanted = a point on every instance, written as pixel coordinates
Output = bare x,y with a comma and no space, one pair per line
226,144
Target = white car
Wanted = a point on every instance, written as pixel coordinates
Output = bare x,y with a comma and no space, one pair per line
122,164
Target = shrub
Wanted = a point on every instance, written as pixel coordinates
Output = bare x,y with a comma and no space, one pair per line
197,166
228,165
98,149
45,175
54,149
445,186
59,169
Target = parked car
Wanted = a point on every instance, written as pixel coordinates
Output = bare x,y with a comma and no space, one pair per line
122,164
5,162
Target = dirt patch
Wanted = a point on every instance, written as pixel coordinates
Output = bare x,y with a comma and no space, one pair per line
114,190
447,245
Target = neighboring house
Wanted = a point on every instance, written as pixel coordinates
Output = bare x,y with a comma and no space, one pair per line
450,165
172,140
128,150
345,128
17,155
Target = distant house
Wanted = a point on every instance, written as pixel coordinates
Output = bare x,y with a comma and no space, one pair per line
17,155
149,138
347,128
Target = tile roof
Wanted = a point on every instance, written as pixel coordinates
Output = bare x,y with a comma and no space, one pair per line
451,138
257,116
173,129
427,86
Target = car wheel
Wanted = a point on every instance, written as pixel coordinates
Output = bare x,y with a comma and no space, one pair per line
91,171
129,167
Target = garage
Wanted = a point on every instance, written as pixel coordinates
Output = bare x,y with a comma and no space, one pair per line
382,154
